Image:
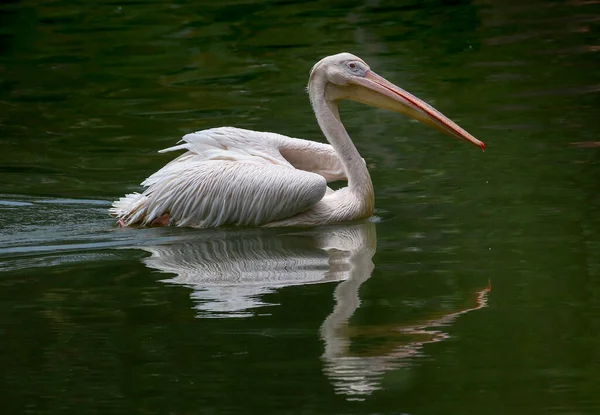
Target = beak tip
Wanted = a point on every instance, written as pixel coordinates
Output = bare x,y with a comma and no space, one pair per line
482,145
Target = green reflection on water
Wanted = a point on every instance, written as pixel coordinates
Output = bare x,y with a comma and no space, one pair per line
90,91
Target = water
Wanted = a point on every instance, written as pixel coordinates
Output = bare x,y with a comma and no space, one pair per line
474,289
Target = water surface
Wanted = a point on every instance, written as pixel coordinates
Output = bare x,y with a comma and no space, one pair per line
474,289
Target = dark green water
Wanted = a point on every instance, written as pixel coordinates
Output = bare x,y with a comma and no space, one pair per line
390,316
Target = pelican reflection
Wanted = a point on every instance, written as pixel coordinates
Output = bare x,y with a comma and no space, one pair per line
358,375
230,271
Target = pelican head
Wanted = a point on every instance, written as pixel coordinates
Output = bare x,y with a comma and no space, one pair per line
345,76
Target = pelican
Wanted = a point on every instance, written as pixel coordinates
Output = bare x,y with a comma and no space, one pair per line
231,176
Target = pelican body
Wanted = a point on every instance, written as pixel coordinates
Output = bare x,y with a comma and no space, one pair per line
232,176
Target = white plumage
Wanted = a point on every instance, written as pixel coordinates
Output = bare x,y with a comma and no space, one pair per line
232,176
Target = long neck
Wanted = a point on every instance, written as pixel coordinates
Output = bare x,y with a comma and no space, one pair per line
326,111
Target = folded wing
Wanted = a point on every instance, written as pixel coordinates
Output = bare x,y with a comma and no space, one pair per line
221,192
234,176
229,143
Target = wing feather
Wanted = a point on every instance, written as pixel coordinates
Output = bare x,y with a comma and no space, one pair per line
229,143
236,144
220,192
234,176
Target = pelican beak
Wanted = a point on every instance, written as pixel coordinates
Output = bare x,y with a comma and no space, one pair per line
379,92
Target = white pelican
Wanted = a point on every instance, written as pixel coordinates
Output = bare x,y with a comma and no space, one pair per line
231,176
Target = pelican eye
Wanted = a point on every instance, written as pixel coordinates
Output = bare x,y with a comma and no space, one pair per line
355,67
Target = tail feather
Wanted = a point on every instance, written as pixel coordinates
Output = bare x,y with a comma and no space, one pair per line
130,208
